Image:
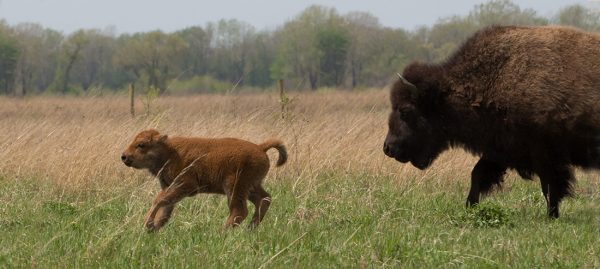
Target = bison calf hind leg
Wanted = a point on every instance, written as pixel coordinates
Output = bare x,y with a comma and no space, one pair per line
238,208
261,200
238,211
485,175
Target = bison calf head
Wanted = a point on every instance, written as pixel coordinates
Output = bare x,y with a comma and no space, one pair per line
148,150
411,136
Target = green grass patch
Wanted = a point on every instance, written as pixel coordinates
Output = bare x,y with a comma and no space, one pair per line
333,221
486,214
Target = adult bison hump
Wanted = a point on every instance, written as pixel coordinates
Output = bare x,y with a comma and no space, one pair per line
523,98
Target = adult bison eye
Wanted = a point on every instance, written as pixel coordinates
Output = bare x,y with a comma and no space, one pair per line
406,114
401,112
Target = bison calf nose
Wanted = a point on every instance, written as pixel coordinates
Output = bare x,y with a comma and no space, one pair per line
123,157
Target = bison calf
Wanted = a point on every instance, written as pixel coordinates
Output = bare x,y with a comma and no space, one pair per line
186,166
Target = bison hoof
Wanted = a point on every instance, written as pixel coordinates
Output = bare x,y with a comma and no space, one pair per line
471,203
149,226
253,225
553,213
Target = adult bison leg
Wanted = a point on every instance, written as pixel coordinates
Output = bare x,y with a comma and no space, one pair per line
485,175
556,184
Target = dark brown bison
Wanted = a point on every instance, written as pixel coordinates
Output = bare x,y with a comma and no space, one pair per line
186,166
525,98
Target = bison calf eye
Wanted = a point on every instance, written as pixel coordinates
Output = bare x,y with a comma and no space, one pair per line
141,145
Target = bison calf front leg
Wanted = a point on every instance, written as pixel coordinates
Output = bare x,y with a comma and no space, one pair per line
163,215
163,205
485,175
149,219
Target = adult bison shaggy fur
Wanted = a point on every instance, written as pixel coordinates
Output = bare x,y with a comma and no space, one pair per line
186,166
523,98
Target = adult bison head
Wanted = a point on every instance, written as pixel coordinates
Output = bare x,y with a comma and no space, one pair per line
413,133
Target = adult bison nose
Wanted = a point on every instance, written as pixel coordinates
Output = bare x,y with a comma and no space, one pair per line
386,149
388,145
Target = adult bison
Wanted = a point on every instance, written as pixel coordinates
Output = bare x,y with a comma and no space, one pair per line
526,98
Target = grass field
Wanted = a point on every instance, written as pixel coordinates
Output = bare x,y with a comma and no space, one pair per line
66,200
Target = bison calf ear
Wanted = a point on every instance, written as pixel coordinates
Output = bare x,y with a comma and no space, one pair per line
162,138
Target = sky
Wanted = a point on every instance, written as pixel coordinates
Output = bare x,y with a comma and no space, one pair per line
128,16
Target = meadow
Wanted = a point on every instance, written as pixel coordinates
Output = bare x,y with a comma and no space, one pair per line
67,201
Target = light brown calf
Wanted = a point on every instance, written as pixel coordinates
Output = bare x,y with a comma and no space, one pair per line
186,166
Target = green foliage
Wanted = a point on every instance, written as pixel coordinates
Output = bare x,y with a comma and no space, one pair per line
196,57
279,69
94,67
299,55
39,61
486,214
154,56
259,60
332,44
9,55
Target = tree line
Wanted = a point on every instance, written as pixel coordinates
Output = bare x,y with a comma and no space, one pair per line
317,48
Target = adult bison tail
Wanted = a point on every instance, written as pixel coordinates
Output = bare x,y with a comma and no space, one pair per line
275,143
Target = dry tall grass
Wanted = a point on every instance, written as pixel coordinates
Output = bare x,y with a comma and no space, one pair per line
77,142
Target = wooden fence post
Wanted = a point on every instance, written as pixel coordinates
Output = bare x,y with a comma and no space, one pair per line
131,99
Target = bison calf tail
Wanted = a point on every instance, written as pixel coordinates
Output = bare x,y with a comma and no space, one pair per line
275,143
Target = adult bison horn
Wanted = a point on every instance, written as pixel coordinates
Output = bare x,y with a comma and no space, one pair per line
414,91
